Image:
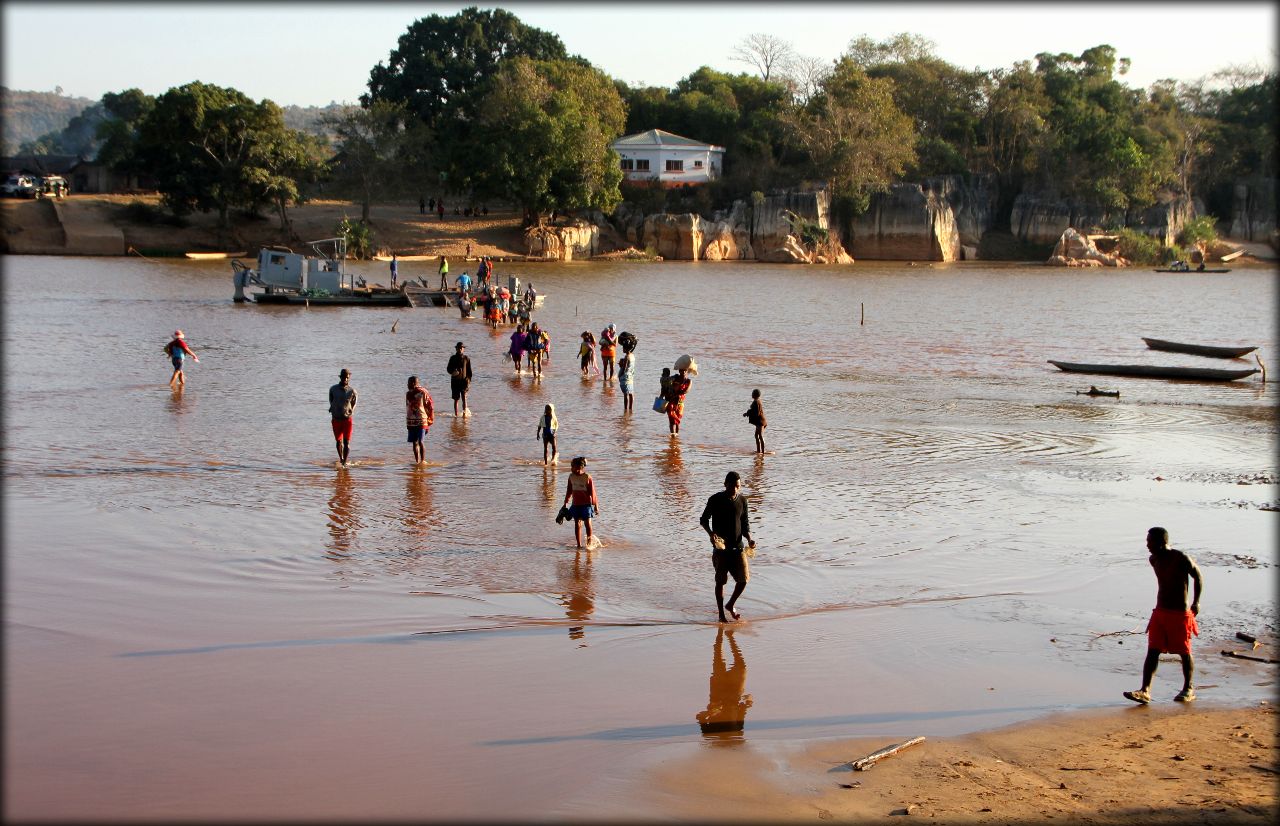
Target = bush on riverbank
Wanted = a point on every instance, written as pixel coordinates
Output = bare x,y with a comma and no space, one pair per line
1139,248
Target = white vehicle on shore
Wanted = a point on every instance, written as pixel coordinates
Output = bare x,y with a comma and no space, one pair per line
20,186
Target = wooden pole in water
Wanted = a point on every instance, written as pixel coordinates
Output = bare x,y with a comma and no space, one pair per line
863,320
1261,364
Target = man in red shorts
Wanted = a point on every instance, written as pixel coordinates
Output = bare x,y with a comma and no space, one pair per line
342,405
1172,622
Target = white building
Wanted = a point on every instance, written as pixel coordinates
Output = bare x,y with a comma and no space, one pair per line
669,159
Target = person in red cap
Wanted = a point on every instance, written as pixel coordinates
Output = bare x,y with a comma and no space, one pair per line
177,350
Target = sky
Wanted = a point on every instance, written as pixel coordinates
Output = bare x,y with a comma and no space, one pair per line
315,53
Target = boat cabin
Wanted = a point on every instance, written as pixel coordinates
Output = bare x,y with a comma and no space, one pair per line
282,268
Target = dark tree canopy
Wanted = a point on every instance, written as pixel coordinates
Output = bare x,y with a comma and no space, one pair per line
440,64
214,148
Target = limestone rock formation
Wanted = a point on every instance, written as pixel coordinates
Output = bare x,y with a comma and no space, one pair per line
724,242
909,222
580,240
1076,250
789,252
677,237
1253,210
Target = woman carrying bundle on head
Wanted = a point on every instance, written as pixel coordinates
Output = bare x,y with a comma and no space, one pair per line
627,371
681,380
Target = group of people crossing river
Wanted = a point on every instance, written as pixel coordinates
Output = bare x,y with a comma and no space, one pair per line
725,516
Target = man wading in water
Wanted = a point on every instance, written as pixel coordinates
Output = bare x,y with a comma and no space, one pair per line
1172,623
342,406
725,521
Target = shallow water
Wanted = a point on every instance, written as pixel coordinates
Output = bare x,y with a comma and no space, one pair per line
938,503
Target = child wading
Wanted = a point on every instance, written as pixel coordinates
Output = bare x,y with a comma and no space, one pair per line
755,415
580,497
587,352
547,427
420,414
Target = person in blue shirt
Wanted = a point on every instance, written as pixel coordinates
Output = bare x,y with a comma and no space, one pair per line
464,282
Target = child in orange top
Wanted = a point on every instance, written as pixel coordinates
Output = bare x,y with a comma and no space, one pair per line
580,497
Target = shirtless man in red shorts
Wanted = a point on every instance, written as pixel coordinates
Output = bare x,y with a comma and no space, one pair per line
1172,622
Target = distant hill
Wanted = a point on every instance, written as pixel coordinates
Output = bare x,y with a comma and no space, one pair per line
28,115
31,115
307,118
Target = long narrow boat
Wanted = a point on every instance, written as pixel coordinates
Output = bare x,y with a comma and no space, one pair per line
1150,371
1198,349
214,256
1158,269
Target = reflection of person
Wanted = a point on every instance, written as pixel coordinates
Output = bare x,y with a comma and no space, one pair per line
725,521
343,514
581,492
578,602
342,406
727,701
177,350
459,369
420,414
1172,623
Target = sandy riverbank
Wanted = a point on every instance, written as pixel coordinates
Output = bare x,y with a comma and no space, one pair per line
1157,764
98,221
396,226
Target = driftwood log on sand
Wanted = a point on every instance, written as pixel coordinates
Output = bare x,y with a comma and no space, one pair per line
1240,656
864,763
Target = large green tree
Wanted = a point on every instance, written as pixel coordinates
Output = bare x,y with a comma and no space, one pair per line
118,132
546,128
210,148
1099,149
944,101
855,137
441,64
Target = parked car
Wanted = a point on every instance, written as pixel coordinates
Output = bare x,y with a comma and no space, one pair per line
19,186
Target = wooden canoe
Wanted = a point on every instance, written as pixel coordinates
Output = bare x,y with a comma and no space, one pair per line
1193,269
214,256
1198,349
1150,371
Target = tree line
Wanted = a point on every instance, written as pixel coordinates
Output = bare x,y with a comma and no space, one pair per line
479,106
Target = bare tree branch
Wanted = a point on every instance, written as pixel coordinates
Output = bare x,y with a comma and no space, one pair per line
763,51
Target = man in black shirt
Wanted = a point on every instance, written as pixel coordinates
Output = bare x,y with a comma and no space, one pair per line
725,521
459,368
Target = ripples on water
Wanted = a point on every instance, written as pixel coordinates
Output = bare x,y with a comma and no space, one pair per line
912,458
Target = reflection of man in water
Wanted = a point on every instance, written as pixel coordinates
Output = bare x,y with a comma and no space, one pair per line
727,704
